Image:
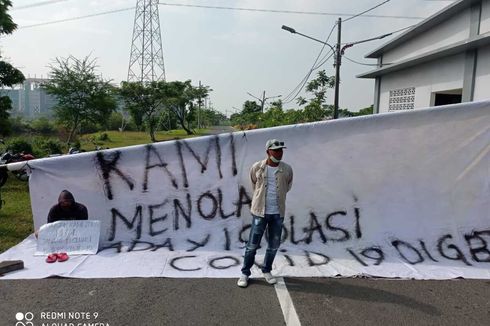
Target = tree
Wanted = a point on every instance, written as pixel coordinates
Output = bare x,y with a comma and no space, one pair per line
82,95
43,126
319,86
144,101
162,104
316,109
180,98
277,104
9,75
251,107
5,125
366,111
200,93
210,117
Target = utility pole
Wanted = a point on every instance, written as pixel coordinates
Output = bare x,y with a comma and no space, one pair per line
199,108
338,62
339,52
262,103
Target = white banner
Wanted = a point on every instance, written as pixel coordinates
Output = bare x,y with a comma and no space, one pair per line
392,195
71,237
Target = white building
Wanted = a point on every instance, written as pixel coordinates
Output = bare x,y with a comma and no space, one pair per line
29,99
443,59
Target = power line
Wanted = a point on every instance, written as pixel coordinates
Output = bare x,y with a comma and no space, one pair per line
387,34
365,11
314,67
326,58
362,63
283,11
305,79
76,18
39,4
303,82
132,8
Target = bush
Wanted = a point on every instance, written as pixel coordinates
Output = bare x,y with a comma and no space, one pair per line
43,126
115,121
103,137
19,126
76,144
47,146
89,127
131,126
19,144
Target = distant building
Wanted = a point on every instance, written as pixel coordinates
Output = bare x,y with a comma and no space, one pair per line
442,60
29,100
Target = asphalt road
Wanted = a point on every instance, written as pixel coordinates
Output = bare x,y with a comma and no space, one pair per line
215,130
318,301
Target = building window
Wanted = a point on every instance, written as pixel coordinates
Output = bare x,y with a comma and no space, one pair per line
402,99
447,97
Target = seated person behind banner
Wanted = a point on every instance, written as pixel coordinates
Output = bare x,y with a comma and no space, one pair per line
67,209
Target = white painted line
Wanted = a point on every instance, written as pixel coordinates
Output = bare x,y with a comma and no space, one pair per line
289,312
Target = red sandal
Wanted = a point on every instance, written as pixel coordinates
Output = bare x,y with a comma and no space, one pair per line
62,256
51,258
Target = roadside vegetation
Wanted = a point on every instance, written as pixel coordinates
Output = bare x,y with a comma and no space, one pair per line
15,215
93,113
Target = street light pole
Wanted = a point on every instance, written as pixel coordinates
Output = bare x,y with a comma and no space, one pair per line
338,62
262,103
199,108
293,31
339,52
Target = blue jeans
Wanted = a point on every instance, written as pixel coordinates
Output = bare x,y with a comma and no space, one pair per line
273,222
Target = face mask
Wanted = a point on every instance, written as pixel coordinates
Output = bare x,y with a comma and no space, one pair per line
273,159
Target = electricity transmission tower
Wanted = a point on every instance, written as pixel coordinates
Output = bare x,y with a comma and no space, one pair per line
146,59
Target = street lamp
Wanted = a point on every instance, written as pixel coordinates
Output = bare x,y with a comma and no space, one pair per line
339,52
293,31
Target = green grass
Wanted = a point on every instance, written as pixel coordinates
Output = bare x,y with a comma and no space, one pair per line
129,138
16,215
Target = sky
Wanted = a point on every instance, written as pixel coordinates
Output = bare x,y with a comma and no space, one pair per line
234,52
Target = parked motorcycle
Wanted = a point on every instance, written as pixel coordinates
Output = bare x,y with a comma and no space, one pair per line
9,157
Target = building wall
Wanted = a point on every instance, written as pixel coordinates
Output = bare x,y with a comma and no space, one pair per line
14,95
482,76
485,17
452,30
29,100
436,76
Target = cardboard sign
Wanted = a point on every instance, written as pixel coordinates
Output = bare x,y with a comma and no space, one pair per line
72,237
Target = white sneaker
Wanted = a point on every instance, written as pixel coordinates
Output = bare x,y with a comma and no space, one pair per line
243,281
269,278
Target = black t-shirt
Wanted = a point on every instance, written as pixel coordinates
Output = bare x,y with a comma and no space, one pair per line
75,212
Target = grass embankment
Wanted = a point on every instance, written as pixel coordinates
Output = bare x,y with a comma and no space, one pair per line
129,138
16,215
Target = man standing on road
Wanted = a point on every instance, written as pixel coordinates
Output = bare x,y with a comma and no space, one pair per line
271,180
